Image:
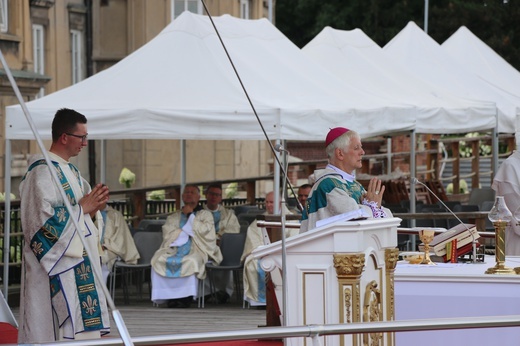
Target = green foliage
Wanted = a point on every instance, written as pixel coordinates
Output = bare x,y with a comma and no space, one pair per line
493,22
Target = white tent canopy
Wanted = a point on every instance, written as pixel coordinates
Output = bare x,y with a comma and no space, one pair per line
181,85
478,57
354,57
468,50
422,56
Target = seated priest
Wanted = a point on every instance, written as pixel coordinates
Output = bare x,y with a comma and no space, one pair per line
116,240
189,241
225,219
254,275
225,222
335,190
303,194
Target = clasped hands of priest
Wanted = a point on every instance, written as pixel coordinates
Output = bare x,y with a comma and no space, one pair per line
186,230
95,200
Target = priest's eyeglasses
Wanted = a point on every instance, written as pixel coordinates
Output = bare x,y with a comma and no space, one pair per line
83,137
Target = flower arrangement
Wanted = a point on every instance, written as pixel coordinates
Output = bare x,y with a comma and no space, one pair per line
157,195
465,149
127,177
2,196
231,190
463,187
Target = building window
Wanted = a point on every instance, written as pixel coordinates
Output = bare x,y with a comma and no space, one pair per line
179,6
76,47
244,9
39,52
3,16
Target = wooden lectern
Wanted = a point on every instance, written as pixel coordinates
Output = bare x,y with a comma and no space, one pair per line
342,272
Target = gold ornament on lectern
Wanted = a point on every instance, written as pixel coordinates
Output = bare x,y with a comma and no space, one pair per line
500,216
426,236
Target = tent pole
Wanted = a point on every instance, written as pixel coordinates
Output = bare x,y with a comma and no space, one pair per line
494,146
426,5
284,249
389,155
270,10
103,158
7,215
183,164
412,172
276,182
412,175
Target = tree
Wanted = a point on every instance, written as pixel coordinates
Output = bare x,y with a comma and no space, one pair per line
494,21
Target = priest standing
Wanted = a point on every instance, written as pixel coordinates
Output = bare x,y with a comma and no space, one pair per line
507,183
61,298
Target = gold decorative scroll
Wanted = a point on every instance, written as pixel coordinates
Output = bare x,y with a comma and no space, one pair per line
347,294
349,268
372,312
348,265
391,258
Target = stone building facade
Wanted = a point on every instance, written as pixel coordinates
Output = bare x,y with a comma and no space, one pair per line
52,44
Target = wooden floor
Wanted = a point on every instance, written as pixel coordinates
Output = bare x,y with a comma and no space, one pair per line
143,319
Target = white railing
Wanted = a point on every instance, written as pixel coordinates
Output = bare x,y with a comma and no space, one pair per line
312,331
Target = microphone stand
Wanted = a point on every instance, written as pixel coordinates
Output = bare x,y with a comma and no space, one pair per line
474,241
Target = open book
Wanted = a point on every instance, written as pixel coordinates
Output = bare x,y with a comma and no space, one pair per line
358,214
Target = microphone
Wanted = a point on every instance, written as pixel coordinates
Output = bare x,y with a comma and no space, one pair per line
474,241
279,148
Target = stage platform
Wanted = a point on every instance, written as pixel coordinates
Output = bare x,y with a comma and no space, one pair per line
466,291
144,319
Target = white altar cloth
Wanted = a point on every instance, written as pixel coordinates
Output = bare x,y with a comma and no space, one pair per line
456,290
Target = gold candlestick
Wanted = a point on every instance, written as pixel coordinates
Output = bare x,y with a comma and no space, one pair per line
500,216
426,236
500,250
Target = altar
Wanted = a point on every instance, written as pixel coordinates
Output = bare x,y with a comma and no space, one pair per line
451,290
